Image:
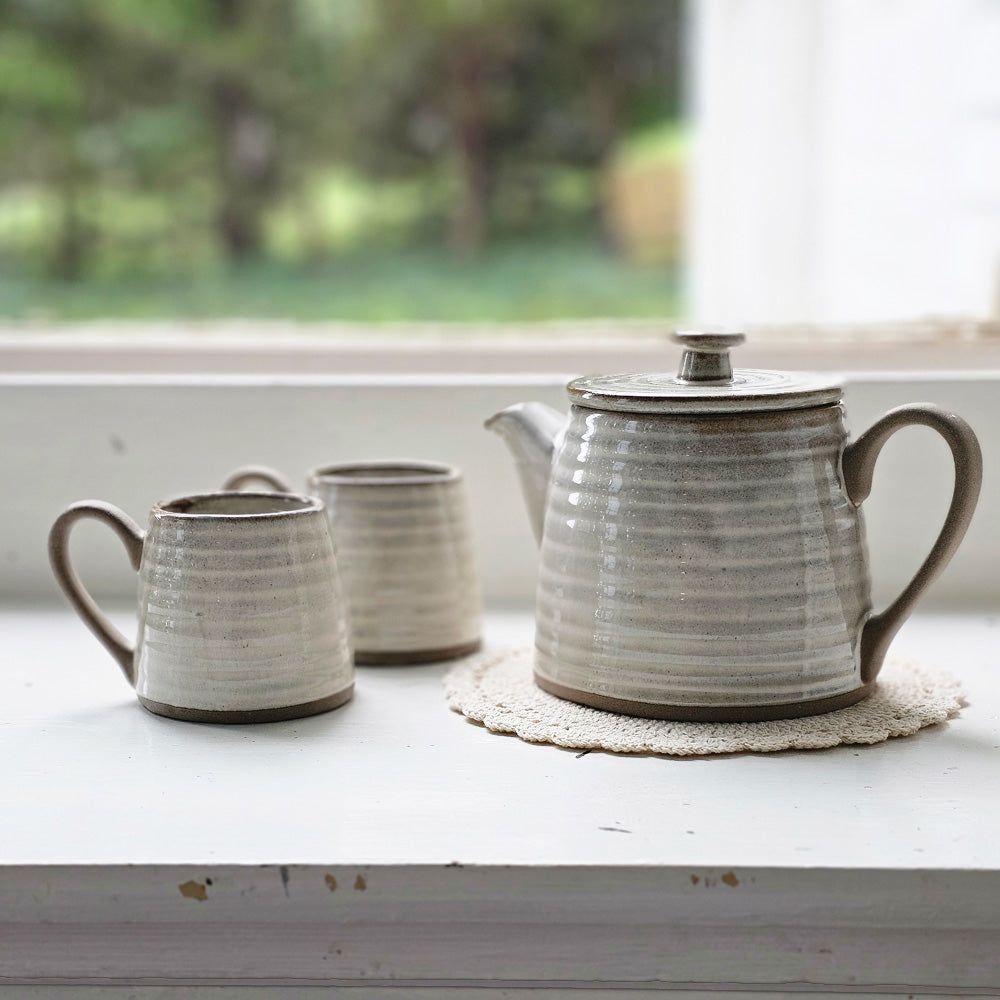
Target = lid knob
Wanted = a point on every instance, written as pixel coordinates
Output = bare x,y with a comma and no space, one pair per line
706,356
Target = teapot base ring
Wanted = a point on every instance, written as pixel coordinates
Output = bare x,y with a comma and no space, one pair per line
706,713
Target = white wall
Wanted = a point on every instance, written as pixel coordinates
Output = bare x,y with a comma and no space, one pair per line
848,159
133,441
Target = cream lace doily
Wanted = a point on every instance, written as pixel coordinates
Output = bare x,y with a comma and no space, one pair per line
496,688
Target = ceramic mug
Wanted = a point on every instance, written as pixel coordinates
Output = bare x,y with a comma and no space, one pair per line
240,606
405,548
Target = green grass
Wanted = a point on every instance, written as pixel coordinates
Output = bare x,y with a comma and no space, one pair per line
524,280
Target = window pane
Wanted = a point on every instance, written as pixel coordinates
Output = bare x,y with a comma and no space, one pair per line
387,160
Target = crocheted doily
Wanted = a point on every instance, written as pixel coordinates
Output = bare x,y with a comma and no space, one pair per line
496,688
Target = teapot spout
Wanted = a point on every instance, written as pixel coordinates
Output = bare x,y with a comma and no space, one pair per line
532,431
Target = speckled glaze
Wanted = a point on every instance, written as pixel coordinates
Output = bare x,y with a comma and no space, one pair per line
701,560
241,614
702,547
406,552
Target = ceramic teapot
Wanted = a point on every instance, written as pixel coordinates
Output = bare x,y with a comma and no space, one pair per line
702,547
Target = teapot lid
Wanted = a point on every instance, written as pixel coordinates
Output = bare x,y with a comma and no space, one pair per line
705,383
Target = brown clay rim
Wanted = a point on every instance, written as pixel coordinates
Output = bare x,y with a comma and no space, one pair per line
401,472
251,715
699,713
227,505
389,658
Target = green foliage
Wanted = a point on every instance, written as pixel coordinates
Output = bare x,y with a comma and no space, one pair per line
35,79
178,137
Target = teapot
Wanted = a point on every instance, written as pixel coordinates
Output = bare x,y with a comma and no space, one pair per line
702,547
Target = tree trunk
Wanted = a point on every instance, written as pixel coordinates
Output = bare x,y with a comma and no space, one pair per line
247,150
606,101
71,245
247,169
470,136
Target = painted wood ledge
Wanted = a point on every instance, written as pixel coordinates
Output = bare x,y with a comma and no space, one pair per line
393,848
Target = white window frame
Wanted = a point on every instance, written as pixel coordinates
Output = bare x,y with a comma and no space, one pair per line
274,347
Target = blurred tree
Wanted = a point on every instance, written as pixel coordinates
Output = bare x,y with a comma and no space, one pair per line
224,107
265,71
150,94
45,104
498,82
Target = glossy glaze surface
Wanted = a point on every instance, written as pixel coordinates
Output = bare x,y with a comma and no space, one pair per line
747,389
702,561
406,554
240,606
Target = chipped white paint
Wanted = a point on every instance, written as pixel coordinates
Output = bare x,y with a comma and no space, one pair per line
484,860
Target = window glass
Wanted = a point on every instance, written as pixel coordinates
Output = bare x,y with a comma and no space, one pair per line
387,160
826,174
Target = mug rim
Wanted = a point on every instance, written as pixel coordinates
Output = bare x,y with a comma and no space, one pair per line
409,472
304,505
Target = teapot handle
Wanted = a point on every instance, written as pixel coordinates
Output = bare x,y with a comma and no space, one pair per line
858,465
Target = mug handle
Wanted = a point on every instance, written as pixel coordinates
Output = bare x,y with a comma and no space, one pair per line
858,464
132,536
258,473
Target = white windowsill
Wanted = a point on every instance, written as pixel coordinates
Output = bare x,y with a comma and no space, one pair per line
483,858
277,347
461,857
192,794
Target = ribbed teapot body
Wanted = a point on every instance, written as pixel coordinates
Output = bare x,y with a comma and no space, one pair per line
703,565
